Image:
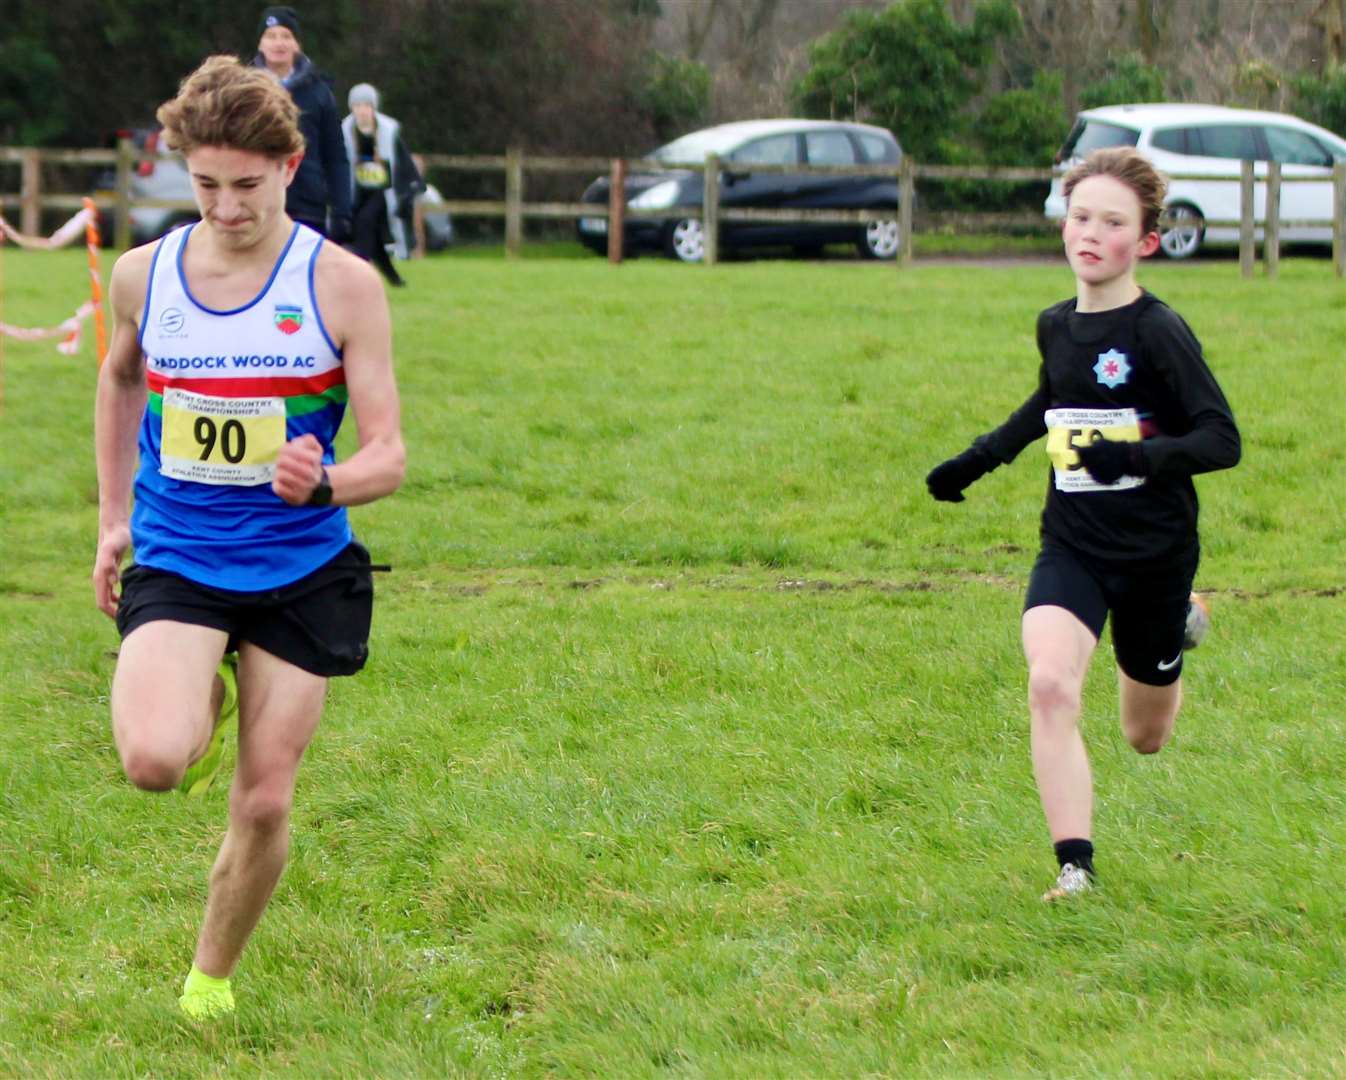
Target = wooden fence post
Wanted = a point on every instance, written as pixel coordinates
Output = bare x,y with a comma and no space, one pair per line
1247,253
710,211
1339,218
616,211
1271,231
513,202
906,182
125,150
30,192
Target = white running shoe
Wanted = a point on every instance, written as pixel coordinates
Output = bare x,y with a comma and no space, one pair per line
1198,622
1071,881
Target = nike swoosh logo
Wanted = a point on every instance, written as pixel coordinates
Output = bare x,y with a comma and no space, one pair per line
1171,664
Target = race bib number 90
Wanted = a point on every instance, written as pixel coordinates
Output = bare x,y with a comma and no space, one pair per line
1070,429
217,440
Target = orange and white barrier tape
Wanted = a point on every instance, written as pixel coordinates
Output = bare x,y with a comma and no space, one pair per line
93,243
68,331
59,239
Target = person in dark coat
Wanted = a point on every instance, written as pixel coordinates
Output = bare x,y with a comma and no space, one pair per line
320,196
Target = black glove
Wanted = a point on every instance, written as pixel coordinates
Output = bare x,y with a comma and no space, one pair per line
339,232
947,481
1107,460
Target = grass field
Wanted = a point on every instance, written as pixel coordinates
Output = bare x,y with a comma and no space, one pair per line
693,742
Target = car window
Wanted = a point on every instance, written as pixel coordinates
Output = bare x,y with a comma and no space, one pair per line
1291,147
877,149
829,148
772,150
1174,140
1090,135
1224,141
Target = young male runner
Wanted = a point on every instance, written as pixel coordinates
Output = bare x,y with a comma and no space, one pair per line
1131,412
238,343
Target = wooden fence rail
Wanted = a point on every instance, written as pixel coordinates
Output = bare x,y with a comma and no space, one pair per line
514,209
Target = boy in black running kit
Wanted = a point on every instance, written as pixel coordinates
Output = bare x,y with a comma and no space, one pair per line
1131,412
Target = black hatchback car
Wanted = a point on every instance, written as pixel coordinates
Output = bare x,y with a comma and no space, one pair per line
766,142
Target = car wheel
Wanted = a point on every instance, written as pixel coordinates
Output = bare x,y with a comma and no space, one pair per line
881,240
1181,230
686,240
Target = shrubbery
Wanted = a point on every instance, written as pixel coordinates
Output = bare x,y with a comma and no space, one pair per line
1322,98
910,68
1126,79
676,94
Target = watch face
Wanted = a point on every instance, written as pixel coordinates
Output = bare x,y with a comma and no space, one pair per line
322,494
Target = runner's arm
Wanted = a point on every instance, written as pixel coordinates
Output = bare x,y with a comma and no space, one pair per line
1025,425
1213,440
948,480
118,406
351,287
1028,422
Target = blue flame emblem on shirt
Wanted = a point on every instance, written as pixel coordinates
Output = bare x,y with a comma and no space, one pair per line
1112,368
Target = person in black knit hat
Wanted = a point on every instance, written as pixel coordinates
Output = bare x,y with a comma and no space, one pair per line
320,196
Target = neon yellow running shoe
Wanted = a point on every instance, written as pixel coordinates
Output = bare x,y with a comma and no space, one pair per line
204,997
201,773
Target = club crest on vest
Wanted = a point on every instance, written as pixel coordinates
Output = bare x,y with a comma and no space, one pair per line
1112,368
289,318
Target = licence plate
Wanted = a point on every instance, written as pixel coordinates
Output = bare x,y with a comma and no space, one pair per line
595,226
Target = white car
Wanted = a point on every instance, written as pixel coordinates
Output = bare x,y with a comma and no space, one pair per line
1210,141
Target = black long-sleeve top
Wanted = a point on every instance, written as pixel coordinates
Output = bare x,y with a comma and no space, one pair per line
1140,357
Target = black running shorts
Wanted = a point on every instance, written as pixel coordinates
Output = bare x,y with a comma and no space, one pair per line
1148,606
319,623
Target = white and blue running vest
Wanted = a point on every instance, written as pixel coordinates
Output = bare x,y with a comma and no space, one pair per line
226,390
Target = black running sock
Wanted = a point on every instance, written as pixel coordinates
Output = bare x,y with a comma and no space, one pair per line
1078,852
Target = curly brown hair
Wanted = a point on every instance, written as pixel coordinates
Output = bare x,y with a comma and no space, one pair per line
1133,169
225,102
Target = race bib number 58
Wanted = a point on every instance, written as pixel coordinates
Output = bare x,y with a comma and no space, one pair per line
217,440
1070,429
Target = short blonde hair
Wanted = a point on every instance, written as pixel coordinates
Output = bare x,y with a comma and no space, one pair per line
1133,169
227,103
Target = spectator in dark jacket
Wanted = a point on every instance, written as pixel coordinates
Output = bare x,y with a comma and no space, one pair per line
320,195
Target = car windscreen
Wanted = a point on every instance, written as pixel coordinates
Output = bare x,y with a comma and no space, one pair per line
693,148
1090,135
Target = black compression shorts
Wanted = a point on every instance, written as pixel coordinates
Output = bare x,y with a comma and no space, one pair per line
1148,606
319,623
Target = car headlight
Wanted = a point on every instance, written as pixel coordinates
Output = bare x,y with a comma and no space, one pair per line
659,197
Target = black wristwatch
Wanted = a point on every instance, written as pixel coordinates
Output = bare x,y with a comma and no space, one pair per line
322,494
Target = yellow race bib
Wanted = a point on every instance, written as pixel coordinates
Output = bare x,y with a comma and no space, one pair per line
371,174
1069,429
221,440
